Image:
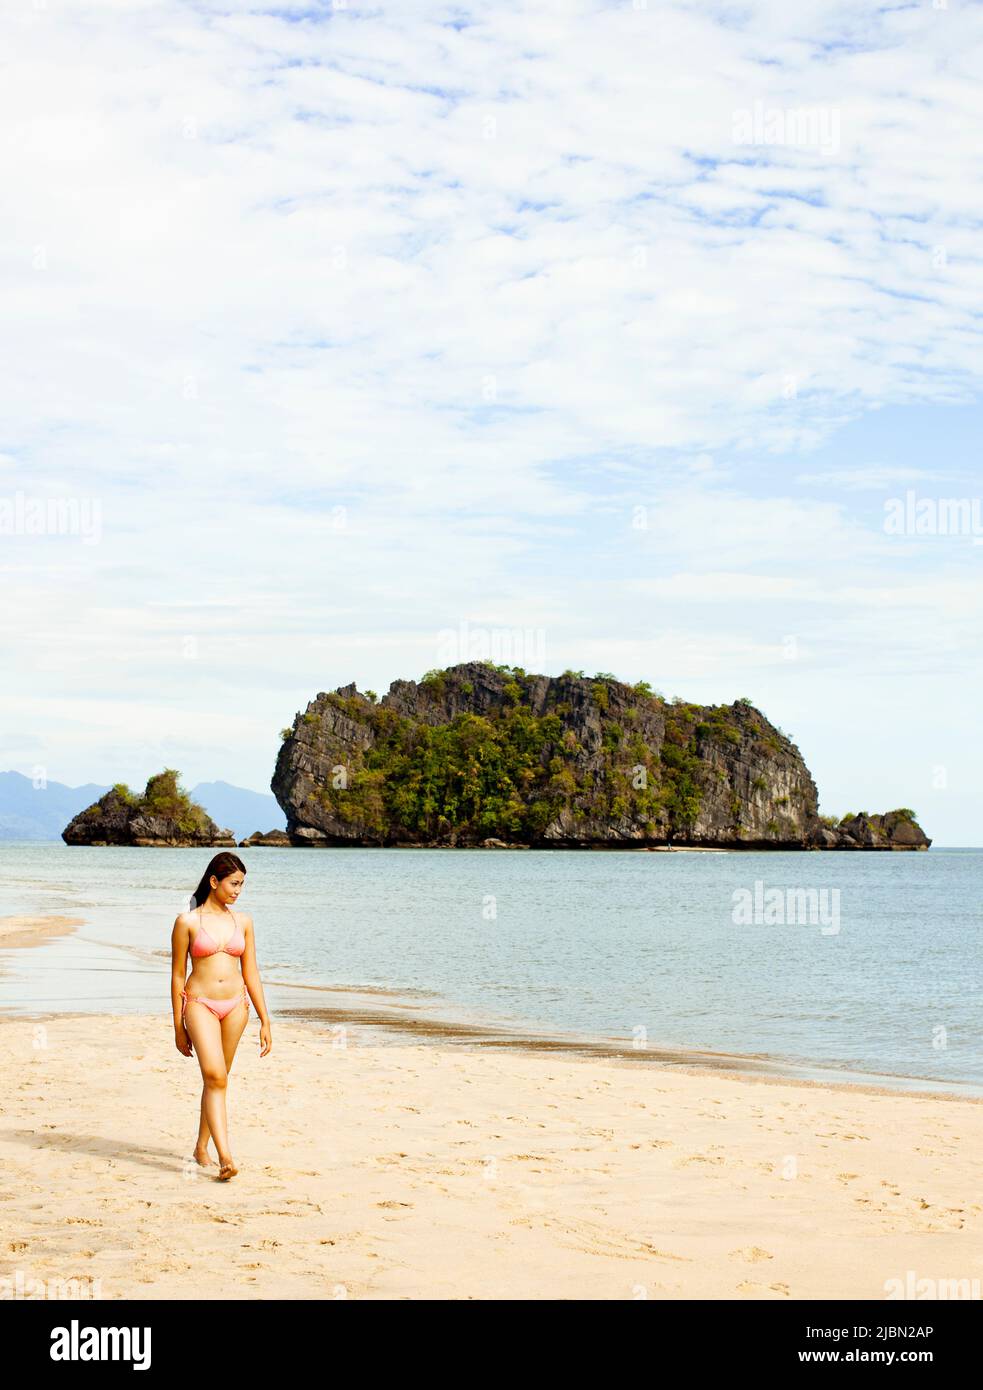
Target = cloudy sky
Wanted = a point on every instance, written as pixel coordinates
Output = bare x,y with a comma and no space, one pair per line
346,339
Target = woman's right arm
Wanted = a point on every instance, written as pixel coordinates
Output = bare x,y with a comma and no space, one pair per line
180,945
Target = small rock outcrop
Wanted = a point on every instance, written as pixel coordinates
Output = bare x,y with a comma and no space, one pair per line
485,755
277,838
894,830
163,816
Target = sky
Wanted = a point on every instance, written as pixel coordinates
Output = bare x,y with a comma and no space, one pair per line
342,342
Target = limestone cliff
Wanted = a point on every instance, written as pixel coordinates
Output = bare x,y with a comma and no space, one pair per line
482,752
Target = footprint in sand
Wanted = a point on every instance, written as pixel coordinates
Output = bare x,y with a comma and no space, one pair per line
753,1254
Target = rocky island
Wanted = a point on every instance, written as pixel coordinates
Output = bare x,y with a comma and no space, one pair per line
483,754
164,815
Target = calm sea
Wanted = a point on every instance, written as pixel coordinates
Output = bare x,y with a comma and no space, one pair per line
877,972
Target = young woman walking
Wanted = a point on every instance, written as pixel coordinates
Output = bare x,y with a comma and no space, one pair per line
211,1007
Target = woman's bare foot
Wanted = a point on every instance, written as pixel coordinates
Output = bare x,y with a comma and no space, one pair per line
203,1157
227,1169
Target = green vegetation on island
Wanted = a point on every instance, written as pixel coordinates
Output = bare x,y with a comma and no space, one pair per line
510,772
529,757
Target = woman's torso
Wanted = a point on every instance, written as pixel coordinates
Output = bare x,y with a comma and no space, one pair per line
216,971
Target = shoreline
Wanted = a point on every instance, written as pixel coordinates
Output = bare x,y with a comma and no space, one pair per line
474,1034
570,847
462,1038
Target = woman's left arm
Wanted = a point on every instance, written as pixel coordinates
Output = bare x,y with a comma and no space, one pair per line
251,979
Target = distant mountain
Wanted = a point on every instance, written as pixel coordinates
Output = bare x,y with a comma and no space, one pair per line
41,813
241,810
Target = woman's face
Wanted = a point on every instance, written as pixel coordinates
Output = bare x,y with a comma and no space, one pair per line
228,889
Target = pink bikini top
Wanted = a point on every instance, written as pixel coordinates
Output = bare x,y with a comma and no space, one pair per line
231,948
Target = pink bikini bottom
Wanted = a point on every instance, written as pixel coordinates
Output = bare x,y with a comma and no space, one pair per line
219,1007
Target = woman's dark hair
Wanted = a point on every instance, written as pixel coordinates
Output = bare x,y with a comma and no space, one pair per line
222,866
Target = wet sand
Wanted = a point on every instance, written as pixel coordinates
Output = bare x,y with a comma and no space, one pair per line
33,931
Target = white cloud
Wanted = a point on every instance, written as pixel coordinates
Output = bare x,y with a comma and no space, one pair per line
486,289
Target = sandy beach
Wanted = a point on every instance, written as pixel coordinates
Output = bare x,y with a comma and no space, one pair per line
436,1170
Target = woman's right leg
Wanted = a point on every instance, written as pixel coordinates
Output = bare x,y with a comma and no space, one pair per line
205,1033
204,1134
200,1150
233,1025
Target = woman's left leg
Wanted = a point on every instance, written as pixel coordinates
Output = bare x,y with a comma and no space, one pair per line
233,1027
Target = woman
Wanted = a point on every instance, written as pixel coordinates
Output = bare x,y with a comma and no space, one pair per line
214,1007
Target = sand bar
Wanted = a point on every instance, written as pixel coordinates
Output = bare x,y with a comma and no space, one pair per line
32,931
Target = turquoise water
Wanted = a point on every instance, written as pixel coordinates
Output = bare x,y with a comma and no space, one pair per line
638,947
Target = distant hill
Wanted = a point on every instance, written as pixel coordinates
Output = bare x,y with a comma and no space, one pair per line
241,810
41,813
